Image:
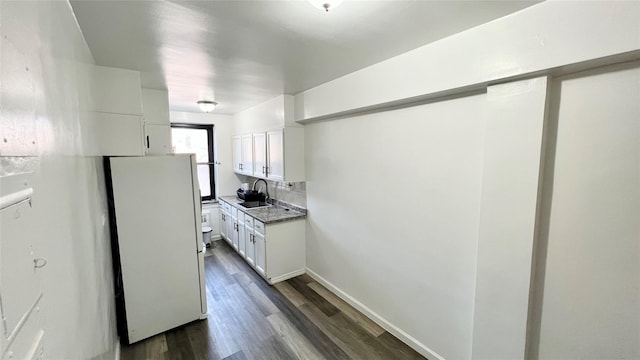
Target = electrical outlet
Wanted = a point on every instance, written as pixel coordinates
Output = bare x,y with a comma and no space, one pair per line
205,217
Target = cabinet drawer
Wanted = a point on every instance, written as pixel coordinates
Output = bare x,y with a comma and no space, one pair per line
259,226
234,212
240,217
248,221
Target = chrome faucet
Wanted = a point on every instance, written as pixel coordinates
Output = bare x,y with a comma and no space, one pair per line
266,188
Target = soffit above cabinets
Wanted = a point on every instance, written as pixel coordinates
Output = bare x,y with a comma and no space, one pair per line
241,53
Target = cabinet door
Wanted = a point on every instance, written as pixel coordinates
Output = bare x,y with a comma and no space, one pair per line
223,225
237,153
247,154
119,135
157,139
260,155
250,251
260,253
247,238
241,242
234,232
275,155
155,106
229,224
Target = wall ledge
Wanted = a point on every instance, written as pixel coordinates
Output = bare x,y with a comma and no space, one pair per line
530,43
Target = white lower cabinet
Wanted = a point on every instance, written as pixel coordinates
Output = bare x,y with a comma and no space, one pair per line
241,234
275,251
261,253
251,248
223,224
234,230
226,222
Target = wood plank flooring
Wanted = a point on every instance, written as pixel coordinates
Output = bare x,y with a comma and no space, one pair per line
248,319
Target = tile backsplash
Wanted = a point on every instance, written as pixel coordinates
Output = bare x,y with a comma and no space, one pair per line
294,193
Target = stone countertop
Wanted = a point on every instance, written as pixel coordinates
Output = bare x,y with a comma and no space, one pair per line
267,214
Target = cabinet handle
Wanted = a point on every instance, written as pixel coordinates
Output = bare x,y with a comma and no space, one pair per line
264,171
147,141
240,165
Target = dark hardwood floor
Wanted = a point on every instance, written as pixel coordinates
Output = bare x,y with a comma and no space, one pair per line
248,319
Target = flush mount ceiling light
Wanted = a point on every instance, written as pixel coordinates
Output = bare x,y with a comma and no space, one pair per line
206,105
326,4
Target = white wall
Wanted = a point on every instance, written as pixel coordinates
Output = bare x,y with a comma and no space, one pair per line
393,195
547,35
590,307
49,64
394,204
226,180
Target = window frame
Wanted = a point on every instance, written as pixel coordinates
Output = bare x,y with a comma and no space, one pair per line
211,163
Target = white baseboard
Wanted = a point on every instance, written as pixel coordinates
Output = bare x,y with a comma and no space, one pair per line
216,238
276,279
394,330
117,349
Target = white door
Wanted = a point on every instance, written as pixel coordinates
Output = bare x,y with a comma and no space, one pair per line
247,154
223,225
234,230
275,155
241,242
237,153
157,139
118,134
230,228
250,252
260,154
260,253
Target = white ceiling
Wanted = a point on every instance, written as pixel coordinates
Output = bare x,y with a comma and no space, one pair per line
241,53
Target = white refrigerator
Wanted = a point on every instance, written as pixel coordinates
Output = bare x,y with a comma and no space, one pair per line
156,240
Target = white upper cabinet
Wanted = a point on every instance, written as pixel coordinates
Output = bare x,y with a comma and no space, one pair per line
157,139
117,114
157,128
119,134
278,142
247,154
275,155
243,154
155,107
237,153
116,91
260,154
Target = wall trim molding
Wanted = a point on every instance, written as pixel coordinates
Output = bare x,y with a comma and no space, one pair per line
287,276
384,323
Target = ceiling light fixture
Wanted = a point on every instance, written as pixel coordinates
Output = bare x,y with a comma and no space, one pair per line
207,106
326,4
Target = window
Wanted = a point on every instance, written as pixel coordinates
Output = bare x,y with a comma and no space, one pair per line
197,139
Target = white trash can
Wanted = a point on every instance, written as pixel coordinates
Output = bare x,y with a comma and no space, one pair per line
206,235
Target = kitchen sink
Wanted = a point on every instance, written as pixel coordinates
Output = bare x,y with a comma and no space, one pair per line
254,204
